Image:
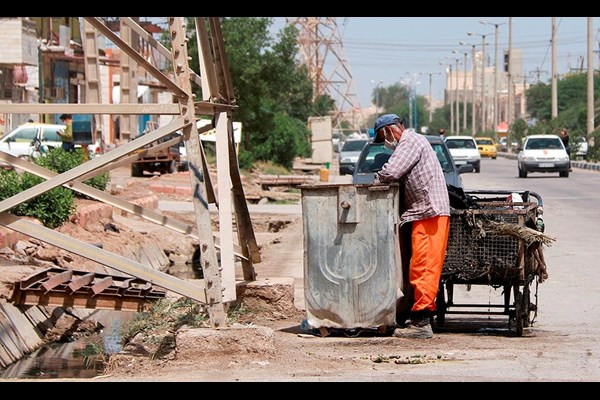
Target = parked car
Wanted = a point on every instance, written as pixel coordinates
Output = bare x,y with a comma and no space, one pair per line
581,148
375,155
487,147
337,139
349,155
464,151
502,146
20,142
543,153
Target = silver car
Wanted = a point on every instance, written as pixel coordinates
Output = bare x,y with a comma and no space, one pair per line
349,155
375,155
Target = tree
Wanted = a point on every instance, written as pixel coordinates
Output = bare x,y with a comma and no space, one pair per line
572,100
271,89
395,99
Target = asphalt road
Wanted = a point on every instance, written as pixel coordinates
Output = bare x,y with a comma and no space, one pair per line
562,343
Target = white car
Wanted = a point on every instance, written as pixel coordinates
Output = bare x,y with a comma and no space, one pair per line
543,153
464,151
581,148
19,141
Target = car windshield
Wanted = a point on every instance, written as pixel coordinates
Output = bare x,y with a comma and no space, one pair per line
376,156
460,143
543,143
353,145
484,141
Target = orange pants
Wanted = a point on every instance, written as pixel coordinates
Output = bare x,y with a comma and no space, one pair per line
429,239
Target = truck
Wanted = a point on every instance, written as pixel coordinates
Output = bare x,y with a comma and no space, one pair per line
164,161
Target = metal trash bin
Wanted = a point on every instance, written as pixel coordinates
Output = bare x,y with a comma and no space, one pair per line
351,275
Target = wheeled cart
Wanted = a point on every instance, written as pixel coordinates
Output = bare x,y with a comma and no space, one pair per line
497,241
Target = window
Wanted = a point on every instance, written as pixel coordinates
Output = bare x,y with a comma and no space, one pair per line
50,135
442,157
25,135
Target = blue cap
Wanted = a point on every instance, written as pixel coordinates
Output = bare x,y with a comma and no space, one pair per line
385,120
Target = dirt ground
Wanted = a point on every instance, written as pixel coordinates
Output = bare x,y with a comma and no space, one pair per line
269,345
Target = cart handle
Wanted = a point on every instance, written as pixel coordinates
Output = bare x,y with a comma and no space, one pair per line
524,193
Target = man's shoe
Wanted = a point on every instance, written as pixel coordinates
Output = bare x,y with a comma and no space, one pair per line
415,332
418,327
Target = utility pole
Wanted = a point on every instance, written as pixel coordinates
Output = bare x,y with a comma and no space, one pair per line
457,100
456,96
377,86
554,77
448,88
465,94
322,50
590,76
430,94
511,100
483,105
495,69
473,74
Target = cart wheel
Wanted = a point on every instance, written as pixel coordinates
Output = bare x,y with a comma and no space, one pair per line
518,313
440,304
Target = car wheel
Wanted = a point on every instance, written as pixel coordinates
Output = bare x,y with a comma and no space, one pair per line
136,170
172,167
564,174
522,173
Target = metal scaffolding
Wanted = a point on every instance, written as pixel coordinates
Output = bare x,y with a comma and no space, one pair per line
218,103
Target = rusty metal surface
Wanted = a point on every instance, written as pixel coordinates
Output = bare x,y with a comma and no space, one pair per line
69,288
351,274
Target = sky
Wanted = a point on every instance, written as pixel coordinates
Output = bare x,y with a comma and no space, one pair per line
391,49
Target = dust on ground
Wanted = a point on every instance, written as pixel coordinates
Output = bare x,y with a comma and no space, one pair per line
269,345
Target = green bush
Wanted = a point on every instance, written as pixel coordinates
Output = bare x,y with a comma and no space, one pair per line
51,208
61,161
54,207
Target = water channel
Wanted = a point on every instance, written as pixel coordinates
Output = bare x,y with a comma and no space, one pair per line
84,357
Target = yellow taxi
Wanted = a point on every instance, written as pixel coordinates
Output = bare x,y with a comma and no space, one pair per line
487,147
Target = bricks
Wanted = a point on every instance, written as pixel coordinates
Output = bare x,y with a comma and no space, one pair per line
85,216
92,213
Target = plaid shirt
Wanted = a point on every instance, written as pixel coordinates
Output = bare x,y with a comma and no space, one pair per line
415,165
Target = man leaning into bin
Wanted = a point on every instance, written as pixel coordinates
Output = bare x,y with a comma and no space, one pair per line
424,217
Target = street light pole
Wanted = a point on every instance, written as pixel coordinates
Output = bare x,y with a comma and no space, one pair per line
496,120
457,100
465,94
454,86
473,81
483,105
430,94
451,98
377,84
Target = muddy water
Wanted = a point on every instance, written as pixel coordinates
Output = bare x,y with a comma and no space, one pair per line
83,358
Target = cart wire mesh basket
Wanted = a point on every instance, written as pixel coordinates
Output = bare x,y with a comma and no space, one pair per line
494,242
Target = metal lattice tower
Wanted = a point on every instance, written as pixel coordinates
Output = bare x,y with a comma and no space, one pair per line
321,49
